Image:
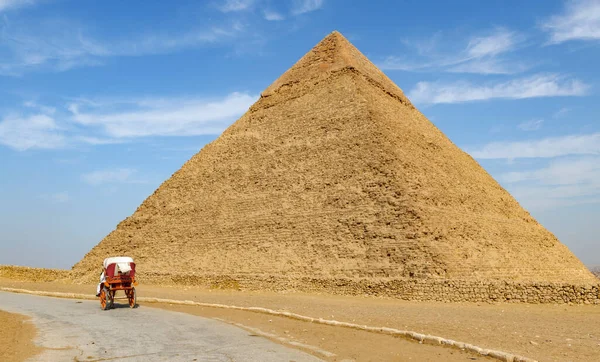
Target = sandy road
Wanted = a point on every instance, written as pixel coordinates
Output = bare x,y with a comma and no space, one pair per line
79,330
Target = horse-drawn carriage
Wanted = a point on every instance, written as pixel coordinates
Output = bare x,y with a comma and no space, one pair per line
118,274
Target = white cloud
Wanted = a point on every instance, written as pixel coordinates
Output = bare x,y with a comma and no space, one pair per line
533,125
561,112
235,5
544,197
580,21
58,49
31,132
95,141
12,4
488,66
563,182
397,63
120,175
273,15
63,46
539,85
561,172
543,148
444,64
480,54
40,107
61,196
306,6
114,121
158,44
162,117
499,42
57,197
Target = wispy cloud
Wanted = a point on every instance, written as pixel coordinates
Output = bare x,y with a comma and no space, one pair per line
563,182
62,46
161,43
541,148
39,126
40,107
501,41
162,117
479,54
546,197
13,4
579,21
560,172
31,132
57,197
306,6
532,125
561,112
112,121
235,5
539,85
273,15
120,175
489,66
94,141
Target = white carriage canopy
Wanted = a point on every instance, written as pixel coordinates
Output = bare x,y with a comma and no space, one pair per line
123,263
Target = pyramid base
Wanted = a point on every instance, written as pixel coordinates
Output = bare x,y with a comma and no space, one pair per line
441,290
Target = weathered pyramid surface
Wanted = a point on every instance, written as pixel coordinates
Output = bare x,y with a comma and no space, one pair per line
334,175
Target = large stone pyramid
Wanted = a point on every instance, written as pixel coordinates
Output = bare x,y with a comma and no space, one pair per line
332,176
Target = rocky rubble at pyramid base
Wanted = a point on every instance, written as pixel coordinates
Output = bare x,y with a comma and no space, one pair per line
24,273
404,289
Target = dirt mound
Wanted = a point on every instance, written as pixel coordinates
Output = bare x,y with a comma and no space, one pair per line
24,273
333,174
16,337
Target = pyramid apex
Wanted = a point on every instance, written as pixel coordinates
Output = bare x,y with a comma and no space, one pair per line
334,53
339,42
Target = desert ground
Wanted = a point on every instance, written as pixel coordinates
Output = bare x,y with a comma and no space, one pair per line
16,337
543,332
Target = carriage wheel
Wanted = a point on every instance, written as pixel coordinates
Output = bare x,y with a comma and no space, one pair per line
132,298
103,296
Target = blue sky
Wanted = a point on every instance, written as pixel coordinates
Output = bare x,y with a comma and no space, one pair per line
102,101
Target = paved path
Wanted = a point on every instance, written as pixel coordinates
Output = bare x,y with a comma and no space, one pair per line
73,330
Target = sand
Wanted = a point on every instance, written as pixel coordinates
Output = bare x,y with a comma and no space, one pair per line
16,338
543,332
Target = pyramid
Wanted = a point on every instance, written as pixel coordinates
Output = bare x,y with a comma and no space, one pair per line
334,175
